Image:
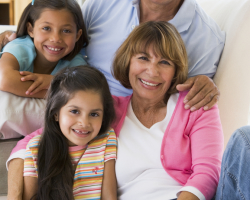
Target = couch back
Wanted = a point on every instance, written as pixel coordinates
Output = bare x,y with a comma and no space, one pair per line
232,76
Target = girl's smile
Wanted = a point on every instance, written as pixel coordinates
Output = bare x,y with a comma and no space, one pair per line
54,34
80,119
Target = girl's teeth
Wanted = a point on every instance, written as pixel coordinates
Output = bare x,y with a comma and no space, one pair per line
147,83
53,49
80,132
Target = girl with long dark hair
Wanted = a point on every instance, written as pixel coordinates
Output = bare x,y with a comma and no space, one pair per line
74,156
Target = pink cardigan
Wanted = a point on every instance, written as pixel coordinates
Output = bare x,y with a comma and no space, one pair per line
192,145
191,149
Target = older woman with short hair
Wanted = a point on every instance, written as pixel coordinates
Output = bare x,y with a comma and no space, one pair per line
164,151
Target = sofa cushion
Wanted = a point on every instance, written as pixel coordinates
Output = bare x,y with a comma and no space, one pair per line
19,116
232,77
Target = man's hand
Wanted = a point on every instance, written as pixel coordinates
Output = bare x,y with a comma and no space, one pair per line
203,93
6,37
41,81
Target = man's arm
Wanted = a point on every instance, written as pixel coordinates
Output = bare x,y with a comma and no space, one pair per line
15,179
203,93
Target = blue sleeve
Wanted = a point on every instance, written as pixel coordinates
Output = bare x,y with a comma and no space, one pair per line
23,50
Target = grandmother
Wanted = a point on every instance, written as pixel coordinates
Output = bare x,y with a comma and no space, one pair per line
164,151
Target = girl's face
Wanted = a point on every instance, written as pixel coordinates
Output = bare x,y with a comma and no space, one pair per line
54,33
150,75
80,119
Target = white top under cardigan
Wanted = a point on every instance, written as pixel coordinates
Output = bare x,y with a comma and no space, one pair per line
139,171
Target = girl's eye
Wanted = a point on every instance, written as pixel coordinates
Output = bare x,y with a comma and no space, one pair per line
143,58
46,28
94,114
74,111
165,62
66,31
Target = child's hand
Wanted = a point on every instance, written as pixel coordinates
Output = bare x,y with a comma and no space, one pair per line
41,81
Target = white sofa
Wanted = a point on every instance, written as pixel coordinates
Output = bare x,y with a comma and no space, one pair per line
232,77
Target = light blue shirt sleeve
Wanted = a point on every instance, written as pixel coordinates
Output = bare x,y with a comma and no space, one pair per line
24,51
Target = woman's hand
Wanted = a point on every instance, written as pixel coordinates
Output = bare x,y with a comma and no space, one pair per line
6,37
203,93
187,196
41,81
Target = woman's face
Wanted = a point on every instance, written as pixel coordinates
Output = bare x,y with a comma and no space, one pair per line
150,75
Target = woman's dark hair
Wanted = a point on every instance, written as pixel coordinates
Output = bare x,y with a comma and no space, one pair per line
55,171
32,13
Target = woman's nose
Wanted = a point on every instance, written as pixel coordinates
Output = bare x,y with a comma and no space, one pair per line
152,69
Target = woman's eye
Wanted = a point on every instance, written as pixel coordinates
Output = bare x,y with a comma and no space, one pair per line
143,58
94,114
46,28
165,62
66,31
74,111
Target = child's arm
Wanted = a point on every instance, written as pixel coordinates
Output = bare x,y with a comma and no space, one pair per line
109,185
30,186
40,81
30,174
10,78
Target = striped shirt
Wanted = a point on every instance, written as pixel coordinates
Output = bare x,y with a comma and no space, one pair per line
89,170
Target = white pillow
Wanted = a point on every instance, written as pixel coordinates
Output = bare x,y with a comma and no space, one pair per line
20,116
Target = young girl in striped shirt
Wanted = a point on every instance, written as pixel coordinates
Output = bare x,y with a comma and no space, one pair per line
73,157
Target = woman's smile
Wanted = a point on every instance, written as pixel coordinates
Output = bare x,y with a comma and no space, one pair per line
149,83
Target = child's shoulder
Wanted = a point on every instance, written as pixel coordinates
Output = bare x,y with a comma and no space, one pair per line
22,40
104,137
34,142
110,133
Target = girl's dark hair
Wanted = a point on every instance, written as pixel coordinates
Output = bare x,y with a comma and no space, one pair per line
32,13
55,171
